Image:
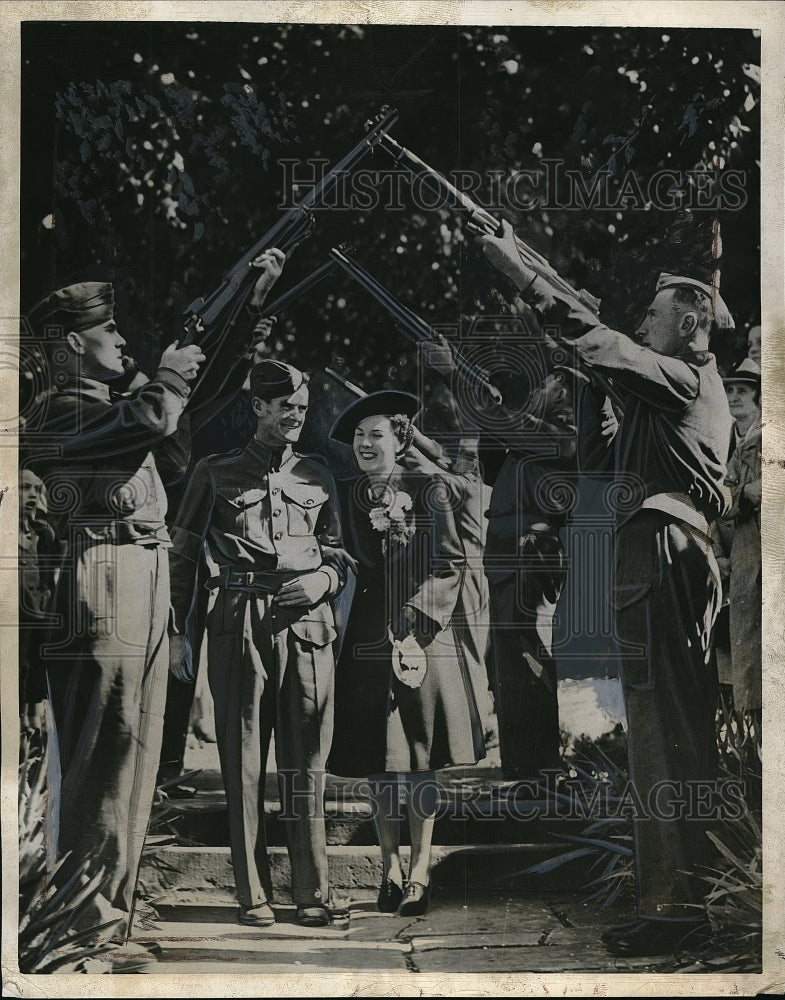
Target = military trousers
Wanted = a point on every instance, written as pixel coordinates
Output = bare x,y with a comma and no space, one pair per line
666,596
270,672
107,664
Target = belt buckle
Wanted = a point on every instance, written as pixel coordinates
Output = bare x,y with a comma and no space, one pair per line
249,579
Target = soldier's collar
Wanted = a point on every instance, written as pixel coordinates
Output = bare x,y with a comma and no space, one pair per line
267,456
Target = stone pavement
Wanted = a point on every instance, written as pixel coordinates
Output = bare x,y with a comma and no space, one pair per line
463,933
483,918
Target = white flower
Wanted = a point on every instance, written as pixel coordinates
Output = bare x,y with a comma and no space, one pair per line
390,517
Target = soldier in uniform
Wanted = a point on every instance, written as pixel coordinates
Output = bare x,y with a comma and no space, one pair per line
261,516
102,455
673,439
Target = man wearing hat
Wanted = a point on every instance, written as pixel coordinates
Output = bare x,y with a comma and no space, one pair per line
261,517
670,457
737,546
101,455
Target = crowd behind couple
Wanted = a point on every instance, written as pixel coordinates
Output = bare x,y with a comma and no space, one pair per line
341,615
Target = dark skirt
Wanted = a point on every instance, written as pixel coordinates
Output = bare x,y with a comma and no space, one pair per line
382,725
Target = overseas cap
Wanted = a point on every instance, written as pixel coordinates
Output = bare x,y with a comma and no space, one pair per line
274,379
720,312
75,307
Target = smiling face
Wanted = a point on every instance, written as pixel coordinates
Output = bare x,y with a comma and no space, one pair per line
667,326
280,421
376,446
97,350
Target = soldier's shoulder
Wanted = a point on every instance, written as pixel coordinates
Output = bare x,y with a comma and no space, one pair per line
314,464
222,457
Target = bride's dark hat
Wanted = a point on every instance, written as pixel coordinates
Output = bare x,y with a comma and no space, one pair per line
386,402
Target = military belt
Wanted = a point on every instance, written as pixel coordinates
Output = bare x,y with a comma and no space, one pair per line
259,581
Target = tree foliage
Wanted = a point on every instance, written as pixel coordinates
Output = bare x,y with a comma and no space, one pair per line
152,155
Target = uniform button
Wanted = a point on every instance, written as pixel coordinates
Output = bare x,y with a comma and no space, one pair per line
277,536
275,491
276,513
317,894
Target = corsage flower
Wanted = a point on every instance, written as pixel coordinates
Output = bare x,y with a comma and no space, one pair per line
391,517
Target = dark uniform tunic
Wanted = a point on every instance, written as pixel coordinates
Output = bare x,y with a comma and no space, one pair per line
381,725
525,567
269,667
106,659
671,451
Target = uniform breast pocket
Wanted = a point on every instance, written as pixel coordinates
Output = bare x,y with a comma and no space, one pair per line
303,505
233,503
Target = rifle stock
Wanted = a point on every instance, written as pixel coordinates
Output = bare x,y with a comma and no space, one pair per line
204,318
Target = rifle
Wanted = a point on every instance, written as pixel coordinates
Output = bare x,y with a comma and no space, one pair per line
205,319
411,325
427,446
307,283
479,220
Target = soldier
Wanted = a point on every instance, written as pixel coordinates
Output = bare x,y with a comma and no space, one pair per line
263,514
101,455
673,439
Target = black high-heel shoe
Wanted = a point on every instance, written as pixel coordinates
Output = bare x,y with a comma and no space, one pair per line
415,899
390,896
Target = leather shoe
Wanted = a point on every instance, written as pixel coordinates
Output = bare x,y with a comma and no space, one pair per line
313,916
260,915
658,937
390,896
415,899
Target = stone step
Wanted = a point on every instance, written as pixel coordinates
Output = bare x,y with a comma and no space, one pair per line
475,805
176,875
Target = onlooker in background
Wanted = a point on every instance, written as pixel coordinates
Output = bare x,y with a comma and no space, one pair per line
737,545
753,344
526,571
39,556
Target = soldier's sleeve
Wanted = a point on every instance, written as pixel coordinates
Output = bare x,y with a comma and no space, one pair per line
173,454
436,596
595,452
329,535
670,383
86,429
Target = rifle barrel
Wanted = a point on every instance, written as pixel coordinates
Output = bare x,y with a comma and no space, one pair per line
296,291
409,322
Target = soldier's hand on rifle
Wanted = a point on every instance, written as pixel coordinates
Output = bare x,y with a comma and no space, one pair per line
440,356
183,360
304,591
271,264
502,253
